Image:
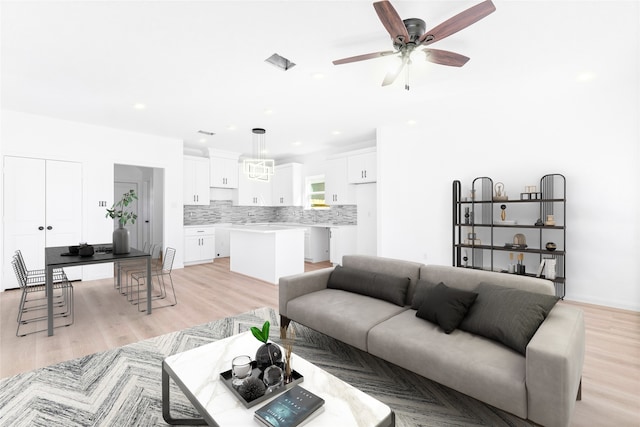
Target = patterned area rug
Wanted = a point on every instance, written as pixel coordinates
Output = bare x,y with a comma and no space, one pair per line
122,387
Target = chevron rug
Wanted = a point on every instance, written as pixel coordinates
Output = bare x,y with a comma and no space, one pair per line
122,387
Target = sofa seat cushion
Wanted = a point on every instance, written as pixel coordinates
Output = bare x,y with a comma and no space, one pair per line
471,364
346,316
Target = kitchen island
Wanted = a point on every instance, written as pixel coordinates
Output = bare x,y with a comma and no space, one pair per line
266,252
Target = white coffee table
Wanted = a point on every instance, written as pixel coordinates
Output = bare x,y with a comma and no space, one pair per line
197,374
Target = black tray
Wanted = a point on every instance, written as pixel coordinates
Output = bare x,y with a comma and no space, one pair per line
227,377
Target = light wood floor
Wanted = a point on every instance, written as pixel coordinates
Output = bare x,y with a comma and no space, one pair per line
611,376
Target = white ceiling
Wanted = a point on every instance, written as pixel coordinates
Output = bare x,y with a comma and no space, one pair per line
199,65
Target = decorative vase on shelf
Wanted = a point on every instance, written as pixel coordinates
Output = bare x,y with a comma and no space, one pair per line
121,240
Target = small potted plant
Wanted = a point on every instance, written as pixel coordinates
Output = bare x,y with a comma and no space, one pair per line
268,354
118,211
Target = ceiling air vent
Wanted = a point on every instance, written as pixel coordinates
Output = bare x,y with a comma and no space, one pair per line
280,62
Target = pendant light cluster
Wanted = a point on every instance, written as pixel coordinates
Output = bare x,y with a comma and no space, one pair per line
259,168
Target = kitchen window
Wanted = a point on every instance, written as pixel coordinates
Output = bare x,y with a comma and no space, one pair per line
314,189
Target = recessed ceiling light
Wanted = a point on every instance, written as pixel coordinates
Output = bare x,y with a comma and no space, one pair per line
318,76
411,122
231,127
203,140
296,143
269,111
139,106
336,132
586,76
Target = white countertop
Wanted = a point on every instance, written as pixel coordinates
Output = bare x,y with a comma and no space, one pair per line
263,228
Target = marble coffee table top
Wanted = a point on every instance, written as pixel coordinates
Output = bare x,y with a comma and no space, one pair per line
197,373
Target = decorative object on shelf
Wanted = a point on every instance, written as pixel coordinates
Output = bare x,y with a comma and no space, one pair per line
273,377
252,388
240,369
550,246
539,223
472,194
540,268
467,216
500,193
85,250
550,221
471,236
512,266
530,193
118,211
520,269
259,168
465,259
268,353
550,268
519,242
503,212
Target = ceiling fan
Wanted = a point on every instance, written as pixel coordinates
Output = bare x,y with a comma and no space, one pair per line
409,34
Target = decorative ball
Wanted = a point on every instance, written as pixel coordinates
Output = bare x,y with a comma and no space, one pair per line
268,354
251,389
550,246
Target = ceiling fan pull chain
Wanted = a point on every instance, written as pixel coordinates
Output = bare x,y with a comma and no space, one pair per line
406,81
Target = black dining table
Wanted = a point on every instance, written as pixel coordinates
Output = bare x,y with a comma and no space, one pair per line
59,257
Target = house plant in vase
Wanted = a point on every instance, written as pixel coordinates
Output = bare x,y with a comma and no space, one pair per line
118,211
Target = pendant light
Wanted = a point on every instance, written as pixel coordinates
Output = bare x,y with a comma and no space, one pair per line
259,168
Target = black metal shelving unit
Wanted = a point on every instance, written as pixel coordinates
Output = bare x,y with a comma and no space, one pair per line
481,237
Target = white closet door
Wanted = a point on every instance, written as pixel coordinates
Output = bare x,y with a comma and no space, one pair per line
24,214
42,207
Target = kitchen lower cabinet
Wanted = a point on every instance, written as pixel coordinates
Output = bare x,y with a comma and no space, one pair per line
316,244
199,245
342,242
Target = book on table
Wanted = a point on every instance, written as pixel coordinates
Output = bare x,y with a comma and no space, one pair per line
289,409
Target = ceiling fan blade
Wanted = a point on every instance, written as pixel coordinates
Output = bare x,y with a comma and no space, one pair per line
363,57
392,75
391,21
444,57
458,22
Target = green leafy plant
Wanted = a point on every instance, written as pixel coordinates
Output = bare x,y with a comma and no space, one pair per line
118,210
261,335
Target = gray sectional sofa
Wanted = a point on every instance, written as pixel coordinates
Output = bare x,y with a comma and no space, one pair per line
538,379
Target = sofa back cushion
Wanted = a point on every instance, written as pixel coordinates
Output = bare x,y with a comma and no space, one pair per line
468,279
377,285
390,266
507,315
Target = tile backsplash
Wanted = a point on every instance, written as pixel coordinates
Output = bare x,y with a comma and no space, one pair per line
223,211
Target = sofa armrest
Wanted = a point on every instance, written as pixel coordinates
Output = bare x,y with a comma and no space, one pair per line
554,361
291,287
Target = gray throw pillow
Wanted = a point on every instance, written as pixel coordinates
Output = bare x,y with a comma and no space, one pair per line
420,293
446,307
376,285
507,315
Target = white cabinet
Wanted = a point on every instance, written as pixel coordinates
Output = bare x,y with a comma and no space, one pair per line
316,244
42,205
196,181
286,188
199,244
337,190
222,240
362,168
252,192
223,169
342,242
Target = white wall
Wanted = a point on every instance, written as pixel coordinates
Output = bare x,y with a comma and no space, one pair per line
587,131
98,149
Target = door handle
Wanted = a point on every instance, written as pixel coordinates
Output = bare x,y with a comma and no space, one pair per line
49,227
41,228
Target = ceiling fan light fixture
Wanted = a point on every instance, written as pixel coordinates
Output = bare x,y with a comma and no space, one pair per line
259,168
280,61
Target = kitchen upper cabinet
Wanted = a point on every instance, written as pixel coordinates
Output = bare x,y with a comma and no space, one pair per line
199,244
196,181
337,190
251,192
286,188
42,207
362,168
223,169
